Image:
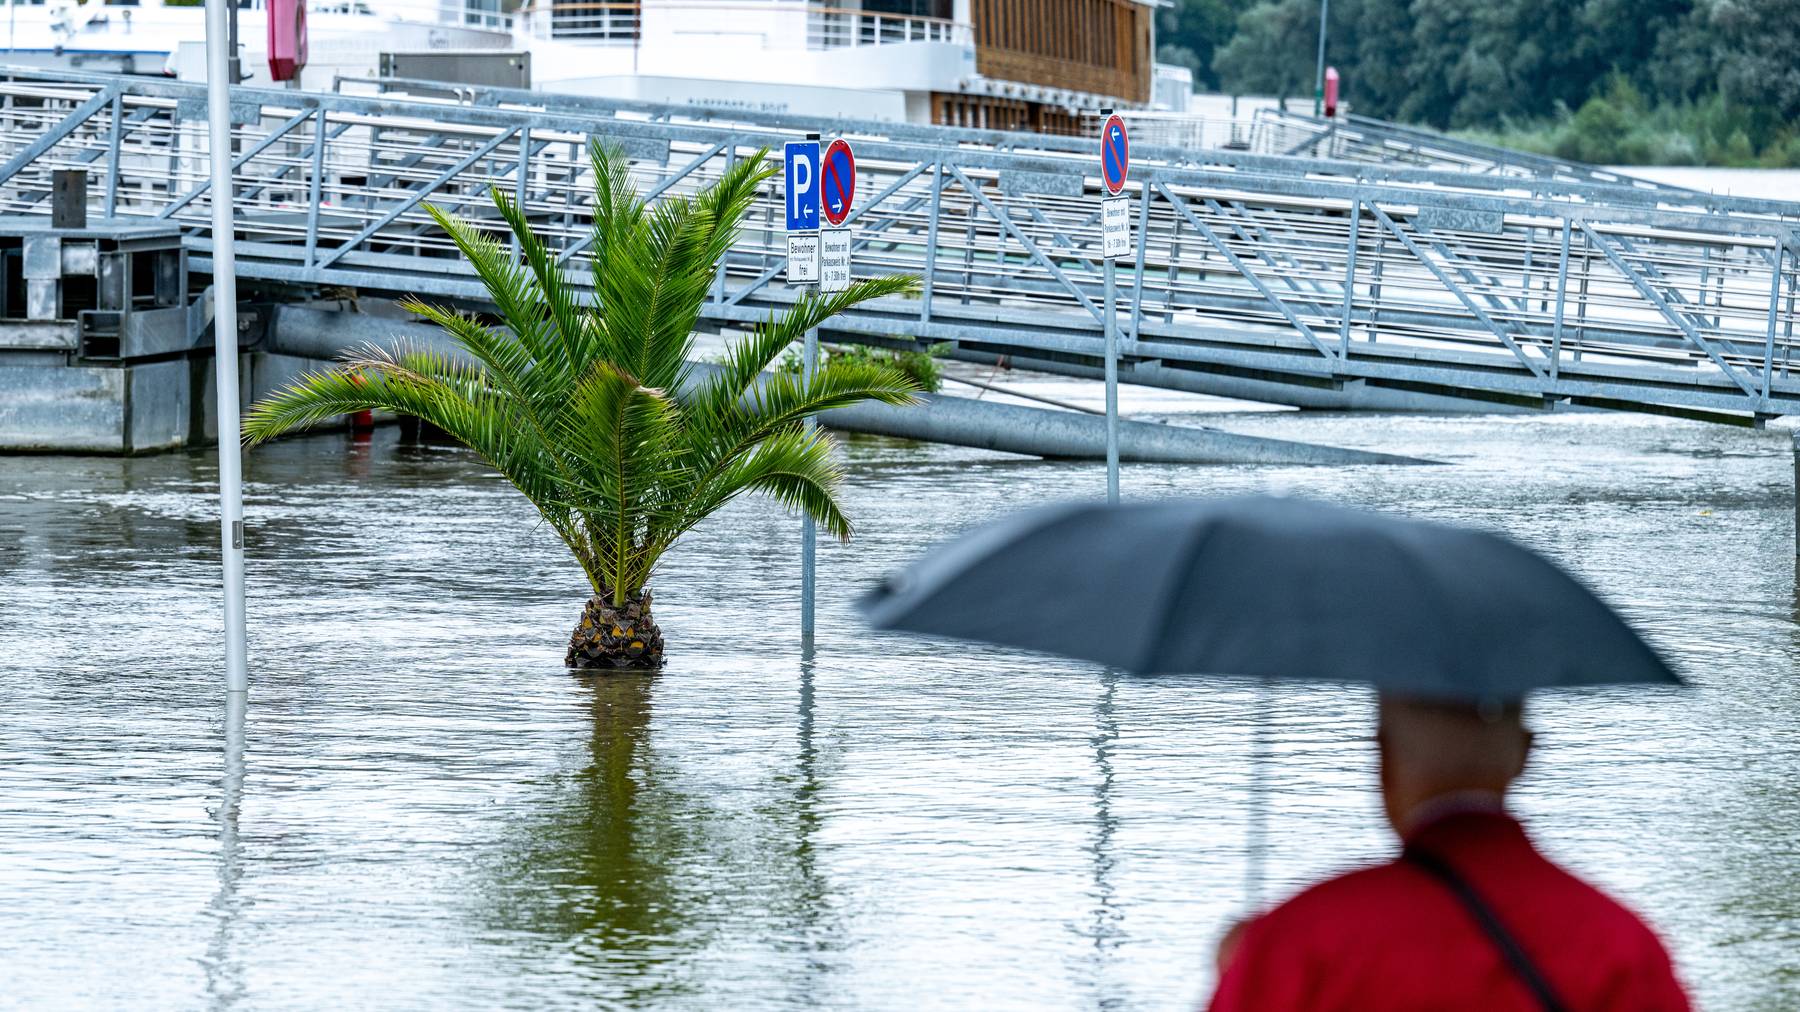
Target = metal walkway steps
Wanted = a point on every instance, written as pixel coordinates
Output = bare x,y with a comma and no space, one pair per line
1307,281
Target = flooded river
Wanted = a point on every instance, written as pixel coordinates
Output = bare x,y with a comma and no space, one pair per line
422,809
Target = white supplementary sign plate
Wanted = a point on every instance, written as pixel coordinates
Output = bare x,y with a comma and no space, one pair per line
834,259
803,258
1115,227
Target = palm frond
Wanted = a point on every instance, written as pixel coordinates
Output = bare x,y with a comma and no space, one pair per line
570,399
655,297
795,467
749,357
624,435
456,398
729,200
617,208
571,325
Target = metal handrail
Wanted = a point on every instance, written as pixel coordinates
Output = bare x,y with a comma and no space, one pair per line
582,19
1156,149
1362,138
841,28
1286,285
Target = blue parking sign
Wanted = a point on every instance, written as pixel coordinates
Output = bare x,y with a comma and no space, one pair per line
802,159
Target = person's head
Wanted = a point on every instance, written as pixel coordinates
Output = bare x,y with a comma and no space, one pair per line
1431,749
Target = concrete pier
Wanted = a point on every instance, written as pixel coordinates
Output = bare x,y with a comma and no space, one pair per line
96,333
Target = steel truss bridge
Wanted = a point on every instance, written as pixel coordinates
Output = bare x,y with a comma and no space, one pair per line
1352,264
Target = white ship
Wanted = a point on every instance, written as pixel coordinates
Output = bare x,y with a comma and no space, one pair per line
1041,65
151,36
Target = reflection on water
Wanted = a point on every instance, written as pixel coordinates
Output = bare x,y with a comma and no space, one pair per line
419,804
1109,920
596,866
224,974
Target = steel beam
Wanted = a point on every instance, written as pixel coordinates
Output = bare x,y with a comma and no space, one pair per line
420,194
51,137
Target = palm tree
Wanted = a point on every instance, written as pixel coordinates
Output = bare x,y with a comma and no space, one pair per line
573,400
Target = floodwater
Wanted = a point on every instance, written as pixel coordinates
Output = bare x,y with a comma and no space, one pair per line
1764,184
421,809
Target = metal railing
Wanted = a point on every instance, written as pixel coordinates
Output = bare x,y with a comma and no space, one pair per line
1362,139
456,13
1221,143
582,19
1250,277
835,28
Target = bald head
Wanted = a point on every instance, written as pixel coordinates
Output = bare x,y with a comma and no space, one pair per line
1430,750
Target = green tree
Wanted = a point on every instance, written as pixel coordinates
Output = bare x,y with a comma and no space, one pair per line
573,400
1189,33
1762,70
1274,51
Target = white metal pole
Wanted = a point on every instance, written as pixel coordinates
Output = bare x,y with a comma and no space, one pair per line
809,534
1319,86
1112,389
225,347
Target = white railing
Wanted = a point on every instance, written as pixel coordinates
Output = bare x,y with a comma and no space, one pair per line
483,14
826,27
835,28
583,19
1189,131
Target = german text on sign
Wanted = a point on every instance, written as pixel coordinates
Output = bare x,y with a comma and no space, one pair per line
803,258
834,259
1115,227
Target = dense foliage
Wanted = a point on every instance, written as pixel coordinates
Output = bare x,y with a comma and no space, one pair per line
924,368
1673,81
573,399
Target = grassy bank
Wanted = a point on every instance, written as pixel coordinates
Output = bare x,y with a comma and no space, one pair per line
1621,128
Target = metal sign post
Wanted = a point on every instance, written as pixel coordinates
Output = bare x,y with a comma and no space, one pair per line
802,179
1319,89
219,65
1115,242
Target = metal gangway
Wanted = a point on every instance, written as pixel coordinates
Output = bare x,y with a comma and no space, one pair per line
1415,284
1363,139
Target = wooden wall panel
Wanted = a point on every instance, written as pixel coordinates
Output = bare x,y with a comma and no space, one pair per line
1098,46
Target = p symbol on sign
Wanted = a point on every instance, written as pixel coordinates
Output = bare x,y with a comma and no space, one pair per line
802,185
802,174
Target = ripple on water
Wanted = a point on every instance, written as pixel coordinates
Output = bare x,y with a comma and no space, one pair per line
432,812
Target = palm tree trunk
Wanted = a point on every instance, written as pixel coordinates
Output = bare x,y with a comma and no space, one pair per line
622,638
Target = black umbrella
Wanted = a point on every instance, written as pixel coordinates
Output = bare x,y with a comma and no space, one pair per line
1273,588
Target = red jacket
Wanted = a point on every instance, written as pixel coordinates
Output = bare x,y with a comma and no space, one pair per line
1394,937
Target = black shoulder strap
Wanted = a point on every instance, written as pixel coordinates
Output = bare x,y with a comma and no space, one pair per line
1484,915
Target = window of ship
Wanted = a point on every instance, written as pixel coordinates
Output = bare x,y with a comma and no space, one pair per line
943,9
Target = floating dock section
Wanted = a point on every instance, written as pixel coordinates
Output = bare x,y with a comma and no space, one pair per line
959,421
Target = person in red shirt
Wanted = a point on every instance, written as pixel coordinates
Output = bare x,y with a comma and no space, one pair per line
1469,916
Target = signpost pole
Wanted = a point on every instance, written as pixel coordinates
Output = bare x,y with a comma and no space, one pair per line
1115,242
225,348
1112,389
809,534
1319,86
830,196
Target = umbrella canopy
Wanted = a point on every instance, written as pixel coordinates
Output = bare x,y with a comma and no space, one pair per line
1273,588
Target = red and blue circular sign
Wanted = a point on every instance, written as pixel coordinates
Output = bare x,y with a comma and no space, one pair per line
837,182
1115,154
